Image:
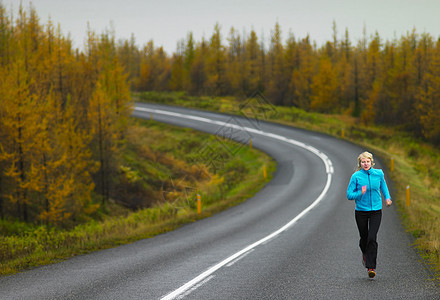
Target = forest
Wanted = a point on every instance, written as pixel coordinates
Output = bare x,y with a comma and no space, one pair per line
64,111
392,83
62,119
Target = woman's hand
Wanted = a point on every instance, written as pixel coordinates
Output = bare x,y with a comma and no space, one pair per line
364,189
389,202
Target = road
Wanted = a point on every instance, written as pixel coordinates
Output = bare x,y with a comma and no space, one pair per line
295,239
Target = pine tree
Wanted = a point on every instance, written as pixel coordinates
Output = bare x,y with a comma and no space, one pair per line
46,158
301,79
277,86
189,52
429,95
5,36
198,71
324,87
146,78
234,65
252,66
216,64
177,68
100,118
129,56
20,127
292,65
347,77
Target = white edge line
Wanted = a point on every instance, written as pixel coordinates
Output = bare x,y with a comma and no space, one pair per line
329,169
239,258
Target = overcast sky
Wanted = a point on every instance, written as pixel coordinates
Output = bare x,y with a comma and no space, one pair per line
168,21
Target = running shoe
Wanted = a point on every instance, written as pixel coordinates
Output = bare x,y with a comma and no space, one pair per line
371,273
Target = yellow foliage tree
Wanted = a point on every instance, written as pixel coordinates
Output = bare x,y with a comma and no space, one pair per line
429,94
216,64
300,86
324,88
21,129
101,119
46,153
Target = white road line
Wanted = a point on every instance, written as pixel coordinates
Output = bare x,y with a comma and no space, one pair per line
328,167
239,258
189,291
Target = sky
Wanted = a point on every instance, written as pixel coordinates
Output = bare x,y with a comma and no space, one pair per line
168,21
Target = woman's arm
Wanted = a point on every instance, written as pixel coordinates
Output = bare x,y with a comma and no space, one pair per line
384,189
353,193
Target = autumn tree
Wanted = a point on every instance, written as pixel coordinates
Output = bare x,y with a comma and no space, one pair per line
108,111
47,153
189,56
66,182
379,81
347,77
252,67
5,36
300,86
155,69
129,57
372,65
20,127
217,83
429,95
277,85
177,68
235,63
324,87
198,70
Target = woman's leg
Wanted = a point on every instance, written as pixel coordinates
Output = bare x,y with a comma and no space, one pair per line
371,246
362,224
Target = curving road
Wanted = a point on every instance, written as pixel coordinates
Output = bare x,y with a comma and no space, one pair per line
295,239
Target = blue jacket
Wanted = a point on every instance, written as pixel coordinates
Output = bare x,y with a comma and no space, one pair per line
375,181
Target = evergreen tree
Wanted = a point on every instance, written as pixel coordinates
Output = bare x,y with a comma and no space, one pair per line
277,86
429,95
216,64
324,87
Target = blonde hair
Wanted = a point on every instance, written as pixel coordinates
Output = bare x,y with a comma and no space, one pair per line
366,155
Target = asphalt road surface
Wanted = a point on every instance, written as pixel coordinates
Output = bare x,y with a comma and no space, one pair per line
295,239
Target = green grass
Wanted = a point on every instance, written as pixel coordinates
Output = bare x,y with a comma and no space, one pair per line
416,163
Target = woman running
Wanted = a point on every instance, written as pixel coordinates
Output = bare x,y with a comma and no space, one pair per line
365,187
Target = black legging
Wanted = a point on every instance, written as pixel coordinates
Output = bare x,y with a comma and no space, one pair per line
368,223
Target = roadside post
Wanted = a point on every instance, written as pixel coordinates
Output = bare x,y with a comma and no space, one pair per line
199,204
